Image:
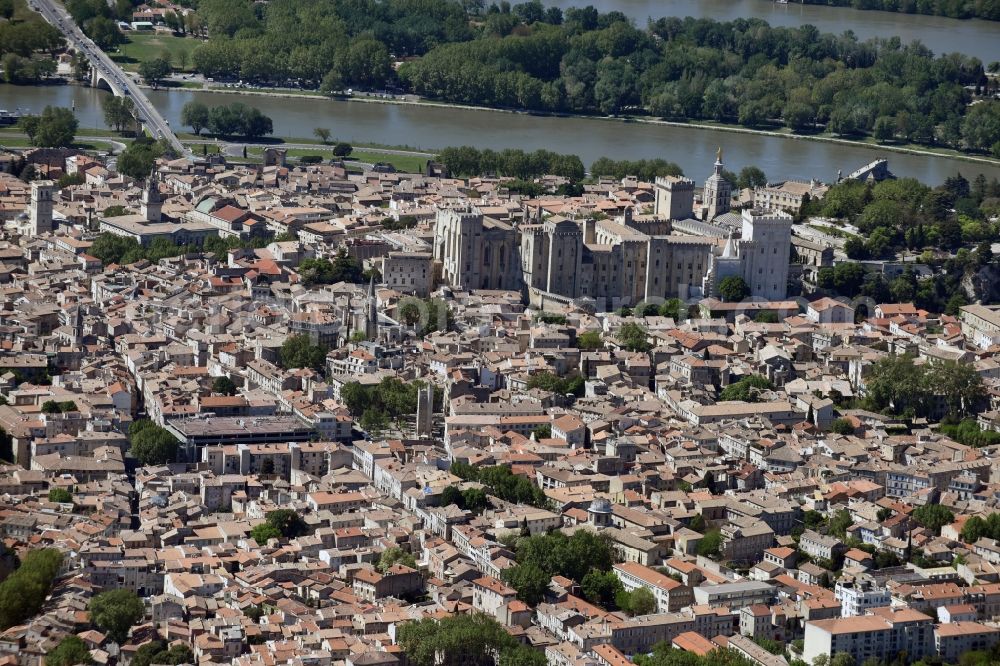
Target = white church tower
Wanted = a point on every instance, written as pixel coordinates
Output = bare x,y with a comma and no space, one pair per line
717,193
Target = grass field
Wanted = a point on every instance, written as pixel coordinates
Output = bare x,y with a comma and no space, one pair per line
149,46
198,148
24,142
405,163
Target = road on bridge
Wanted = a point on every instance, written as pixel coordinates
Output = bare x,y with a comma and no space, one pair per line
116,78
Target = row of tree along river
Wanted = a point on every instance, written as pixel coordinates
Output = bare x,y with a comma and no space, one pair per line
974,37
435,127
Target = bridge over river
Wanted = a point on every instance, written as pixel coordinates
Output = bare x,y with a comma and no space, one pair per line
105,73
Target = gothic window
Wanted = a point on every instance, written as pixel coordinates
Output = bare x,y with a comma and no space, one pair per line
486,256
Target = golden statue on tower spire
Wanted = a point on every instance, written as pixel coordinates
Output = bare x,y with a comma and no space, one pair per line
718,154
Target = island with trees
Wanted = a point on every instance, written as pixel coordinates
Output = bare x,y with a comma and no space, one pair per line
528,56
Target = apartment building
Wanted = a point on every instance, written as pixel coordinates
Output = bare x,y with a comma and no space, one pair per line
955,638
882,636
670,594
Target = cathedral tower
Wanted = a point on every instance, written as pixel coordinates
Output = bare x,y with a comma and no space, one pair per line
718,192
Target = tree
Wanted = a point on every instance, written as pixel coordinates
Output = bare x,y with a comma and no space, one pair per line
374,422
55,128
288,522
933,516
885,129
589,340
224,386
115,612
264,532
298,351
151,444
842,426
452,495
471,639
960,384
799,116
543,431
23,592
119,112
139,158
751,177
238,119
733,289
530,581
503,483
974,529
195,115
633,337
343,268
322,133
342,149
601,588
71,650
895,383
572,557
475,500
24,70
839,523
980,128
104,32
111,211
156,652
710,545
392,556
748,389
60,495
364,63
155,70
639,601
771,645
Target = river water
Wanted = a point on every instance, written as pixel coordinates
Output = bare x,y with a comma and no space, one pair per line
436,127
942,35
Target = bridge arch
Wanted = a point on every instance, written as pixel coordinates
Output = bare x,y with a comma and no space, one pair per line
98,80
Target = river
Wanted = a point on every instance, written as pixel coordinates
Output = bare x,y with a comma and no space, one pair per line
430,127
973,37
